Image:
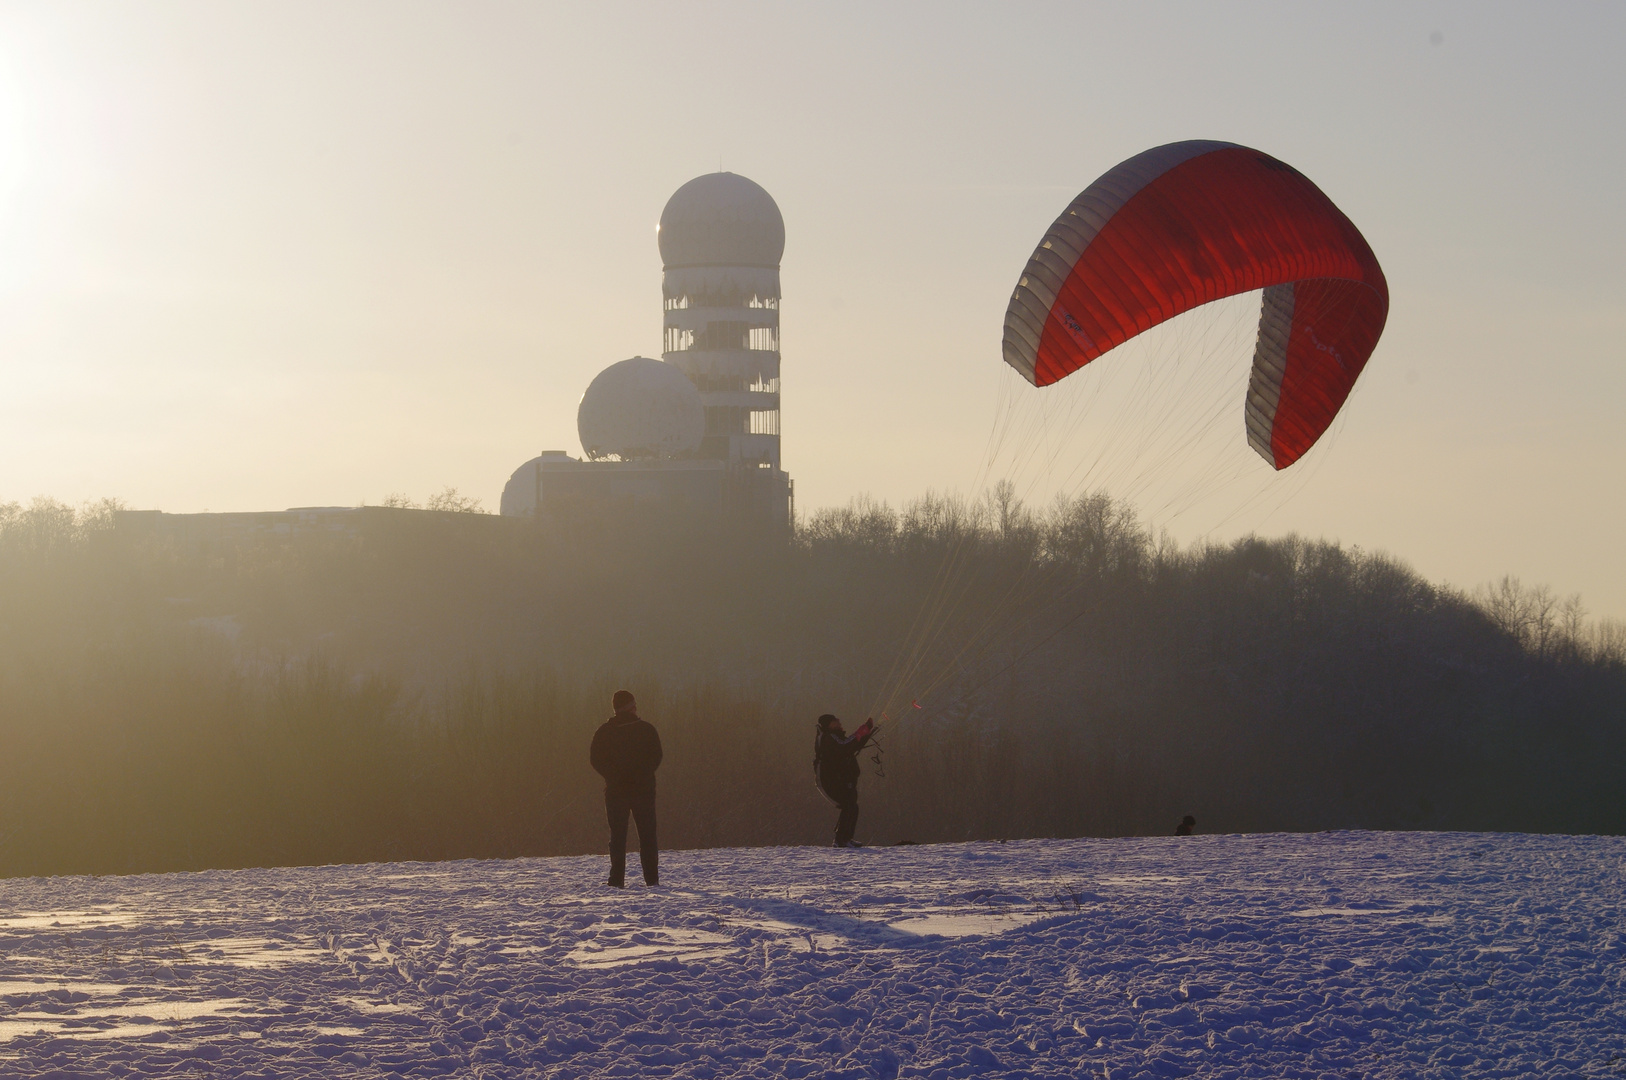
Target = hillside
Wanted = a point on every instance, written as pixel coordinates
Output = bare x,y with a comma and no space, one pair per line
423,685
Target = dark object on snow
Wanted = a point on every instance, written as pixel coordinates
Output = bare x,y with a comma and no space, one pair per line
907,843
835,770
1187,823
626,752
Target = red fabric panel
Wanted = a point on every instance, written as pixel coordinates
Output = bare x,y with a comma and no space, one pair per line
1336,324
1223,223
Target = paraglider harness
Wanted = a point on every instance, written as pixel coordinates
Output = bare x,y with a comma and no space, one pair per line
819,732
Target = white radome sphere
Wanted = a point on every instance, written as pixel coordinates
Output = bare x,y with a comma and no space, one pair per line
721,219
641,408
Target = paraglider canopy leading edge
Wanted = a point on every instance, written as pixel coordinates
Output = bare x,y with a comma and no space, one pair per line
1188,223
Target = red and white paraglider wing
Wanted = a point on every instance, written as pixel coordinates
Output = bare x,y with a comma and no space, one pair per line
1192,222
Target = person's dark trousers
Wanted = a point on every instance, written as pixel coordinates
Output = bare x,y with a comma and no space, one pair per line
641,804
846,797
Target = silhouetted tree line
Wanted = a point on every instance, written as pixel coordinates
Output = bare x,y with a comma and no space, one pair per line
423,685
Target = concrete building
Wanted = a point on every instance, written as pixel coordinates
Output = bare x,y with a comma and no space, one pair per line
721,239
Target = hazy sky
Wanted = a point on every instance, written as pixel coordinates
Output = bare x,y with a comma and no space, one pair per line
262,255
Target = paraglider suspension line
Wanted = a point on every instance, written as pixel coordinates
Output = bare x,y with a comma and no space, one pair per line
1029,651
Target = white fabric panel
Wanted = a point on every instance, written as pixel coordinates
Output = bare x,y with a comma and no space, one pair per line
698,318
1072,233
703,281
1269,365
728,363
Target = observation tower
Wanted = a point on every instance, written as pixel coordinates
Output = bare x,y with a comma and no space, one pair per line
697,431
721,238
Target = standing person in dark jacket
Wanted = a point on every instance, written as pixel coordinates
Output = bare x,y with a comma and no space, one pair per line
626,752
835,766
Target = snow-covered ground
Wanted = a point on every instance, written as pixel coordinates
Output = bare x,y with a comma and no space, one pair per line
1350,954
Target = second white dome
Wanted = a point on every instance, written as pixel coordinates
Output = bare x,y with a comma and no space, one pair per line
640,408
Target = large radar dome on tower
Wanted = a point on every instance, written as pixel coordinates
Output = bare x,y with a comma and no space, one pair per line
640,408
721,219
721,238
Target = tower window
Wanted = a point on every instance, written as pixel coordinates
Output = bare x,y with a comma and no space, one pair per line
723,335
726,420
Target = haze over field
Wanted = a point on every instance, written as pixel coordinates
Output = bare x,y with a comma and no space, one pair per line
323,792
273,255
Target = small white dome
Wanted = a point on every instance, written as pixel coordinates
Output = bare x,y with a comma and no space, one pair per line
721,219
640,408
523,492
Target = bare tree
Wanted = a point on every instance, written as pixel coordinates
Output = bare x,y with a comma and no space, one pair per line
1528,613
449,498
1607,641
97,515
1571,624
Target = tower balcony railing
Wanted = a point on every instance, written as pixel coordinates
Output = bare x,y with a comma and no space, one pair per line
756,383
722,337
731,301
697,318
741,421
743,399
751,365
